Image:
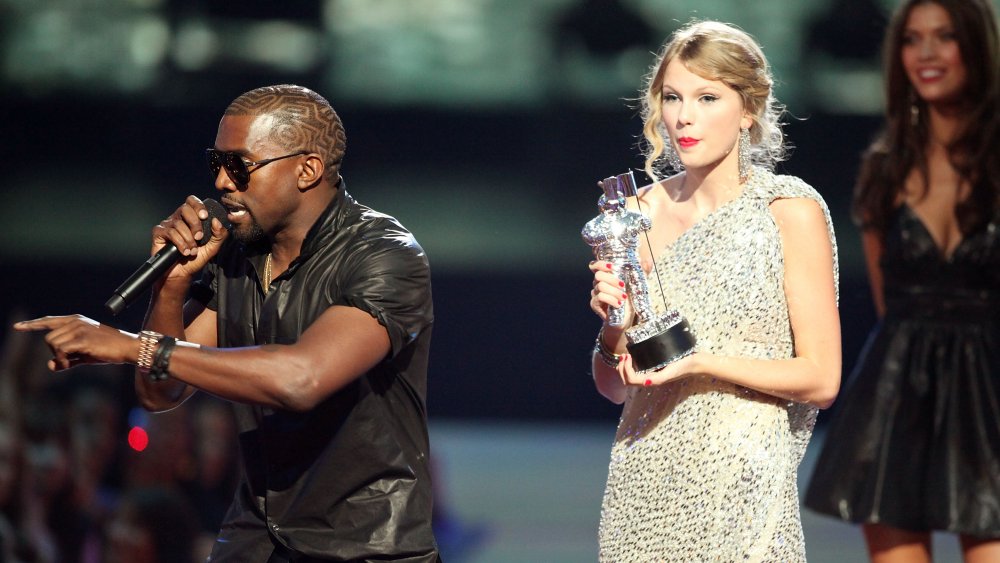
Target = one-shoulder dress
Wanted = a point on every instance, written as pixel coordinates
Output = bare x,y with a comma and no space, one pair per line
915,439
701,469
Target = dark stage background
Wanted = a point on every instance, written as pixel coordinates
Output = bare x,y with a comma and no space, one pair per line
482,126
512,333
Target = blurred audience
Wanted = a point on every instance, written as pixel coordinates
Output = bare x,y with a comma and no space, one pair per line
72,490
152,525
51,519
10,470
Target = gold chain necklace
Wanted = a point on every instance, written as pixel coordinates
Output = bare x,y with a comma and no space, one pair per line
267,273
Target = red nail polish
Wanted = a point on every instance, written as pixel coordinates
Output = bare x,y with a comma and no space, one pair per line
624,296
609,265
621,284
648,382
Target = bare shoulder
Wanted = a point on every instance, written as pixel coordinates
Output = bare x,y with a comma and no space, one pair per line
803,229
797,207
798,212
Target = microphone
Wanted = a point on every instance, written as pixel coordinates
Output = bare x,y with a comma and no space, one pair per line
159,263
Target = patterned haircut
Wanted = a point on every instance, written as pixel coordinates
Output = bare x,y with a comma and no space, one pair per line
304,120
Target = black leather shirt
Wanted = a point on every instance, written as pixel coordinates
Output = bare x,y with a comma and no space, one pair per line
348,480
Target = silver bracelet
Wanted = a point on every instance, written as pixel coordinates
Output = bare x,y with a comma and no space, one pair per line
609,358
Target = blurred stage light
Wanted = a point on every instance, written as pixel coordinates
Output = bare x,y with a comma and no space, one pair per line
138,439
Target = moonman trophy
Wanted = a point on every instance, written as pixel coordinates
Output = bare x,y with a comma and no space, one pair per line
655,340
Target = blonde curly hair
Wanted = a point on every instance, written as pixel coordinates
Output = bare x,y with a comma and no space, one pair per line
715,51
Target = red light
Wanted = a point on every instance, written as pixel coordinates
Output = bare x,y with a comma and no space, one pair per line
138,439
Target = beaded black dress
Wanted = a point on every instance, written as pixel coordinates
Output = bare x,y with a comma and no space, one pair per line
702,469
915,439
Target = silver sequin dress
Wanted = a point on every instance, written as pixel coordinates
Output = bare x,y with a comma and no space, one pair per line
704,470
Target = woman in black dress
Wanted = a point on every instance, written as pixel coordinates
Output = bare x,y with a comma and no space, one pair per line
915,444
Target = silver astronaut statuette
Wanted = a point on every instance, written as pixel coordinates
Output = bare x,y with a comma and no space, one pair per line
654,340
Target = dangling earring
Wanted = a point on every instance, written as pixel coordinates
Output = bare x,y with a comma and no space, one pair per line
673,159
914,114
744,163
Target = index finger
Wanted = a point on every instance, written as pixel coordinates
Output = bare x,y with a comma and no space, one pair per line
194,202
194,214
43,323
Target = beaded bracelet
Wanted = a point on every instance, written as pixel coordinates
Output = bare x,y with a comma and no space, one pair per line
161,360
609,358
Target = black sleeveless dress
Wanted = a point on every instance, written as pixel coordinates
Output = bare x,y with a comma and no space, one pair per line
915,441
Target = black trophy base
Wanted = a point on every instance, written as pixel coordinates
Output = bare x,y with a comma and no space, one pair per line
651,352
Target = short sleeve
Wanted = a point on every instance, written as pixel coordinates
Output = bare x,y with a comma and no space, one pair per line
392,283
205,290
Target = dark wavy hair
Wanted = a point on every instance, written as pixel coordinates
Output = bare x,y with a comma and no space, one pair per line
899,148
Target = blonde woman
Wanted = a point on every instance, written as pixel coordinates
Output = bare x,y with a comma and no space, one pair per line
704,461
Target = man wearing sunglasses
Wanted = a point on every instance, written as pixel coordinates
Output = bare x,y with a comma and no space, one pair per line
312,315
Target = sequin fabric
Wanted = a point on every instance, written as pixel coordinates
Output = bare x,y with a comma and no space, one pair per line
701,469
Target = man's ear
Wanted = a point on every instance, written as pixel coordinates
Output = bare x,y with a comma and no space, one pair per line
310,171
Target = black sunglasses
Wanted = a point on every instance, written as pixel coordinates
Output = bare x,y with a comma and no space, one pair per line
237,167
